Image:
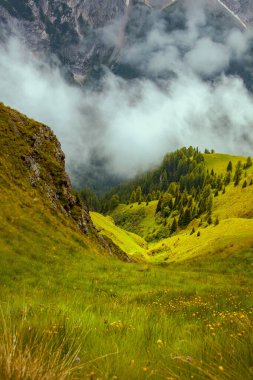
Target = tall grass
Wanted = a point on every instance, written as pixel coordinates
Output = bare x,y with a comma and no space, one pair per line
121,322
27,352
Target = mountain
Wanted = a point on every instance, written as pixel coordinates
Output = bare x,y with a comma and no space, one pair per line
242,8
64,29
159,286
218,22
72,31
34,181
69,310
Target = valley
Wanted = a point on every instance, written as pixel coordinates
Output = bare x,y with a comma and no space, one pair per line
180,309
231,218
126,190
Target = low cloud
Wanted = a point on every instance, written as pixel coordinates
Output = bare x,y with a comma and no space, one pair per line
182,96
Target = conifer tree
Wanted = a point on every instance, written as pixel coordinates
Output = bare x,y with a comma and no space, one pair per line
206,200
248,163
186,217
238,173
114,202
133,197
148,198
139,195
159,205
229,167
174,226
244,184
192,231
227,179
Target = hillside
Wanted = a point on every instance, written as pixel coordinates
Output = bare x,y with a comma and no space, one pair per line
129,242
69,310
226,228
33,180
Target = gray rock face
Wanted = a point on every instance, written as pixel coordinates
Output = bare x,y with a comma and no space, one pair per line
70,30
242,8
64,28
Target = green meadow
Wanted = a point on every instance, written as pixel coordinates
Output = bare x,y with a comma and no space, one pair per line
95,317
69,309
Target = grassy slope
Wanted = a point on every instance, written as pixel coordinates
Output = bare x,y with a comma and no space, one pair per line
236,202
129,242
137,218
34,232
219,161
131,321
230,236
234,209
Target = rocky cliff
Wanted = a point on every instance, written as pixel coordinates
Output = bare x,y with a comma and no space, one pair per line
65,29
32,165
70,30
242,8
34,154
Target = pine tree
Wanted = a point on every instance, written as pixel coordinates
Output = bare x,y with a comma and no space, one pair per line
248,163
216,221
192,231
133,197
164,181
139,195
209,204
238,173
244,184
236,180
148,199
227,179
206,201
159,205
174,226
229,167
114,202
166,212
186,218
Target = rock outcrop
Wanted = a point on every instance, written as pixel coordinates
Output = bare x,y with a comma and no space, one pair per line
65,29
32,160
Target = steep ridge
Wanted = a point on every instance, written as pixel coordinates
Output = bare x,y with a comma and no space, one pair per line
33,180
71,30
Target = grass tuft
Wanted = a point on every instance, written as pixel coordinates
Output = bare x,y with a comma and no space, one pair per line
29,353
